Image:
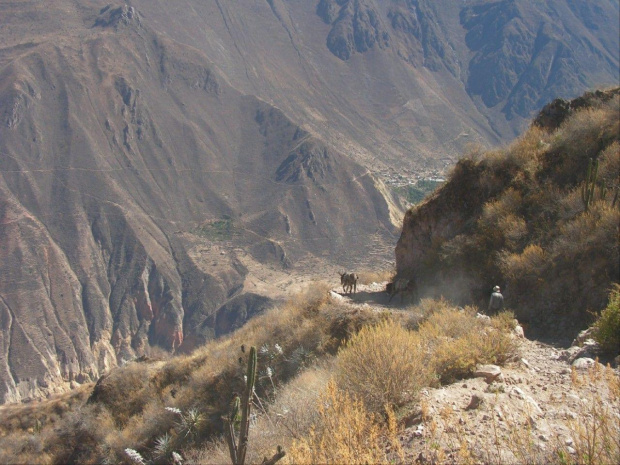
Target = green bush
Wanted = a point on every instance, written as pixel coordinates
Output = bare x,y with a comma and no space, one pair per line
608,324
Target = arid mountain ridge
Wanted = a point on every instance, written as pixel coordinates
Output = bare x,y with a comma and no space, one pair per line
152,155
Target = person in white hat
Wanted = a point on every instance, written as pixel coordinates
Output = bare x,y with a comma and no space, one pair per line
496,302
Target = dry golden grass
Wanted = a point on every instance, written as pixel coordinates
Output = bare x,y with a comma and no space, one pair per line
345,432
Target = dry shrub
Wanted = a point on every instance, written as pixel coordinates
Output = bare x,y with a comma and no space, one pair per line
609,165
454,359
594,231
526,150
457,341
344,324
449,323
497,344
580,137
428,307
313,298
23,447
383,365
528,263
125,391
345,432
514,230
571,204
495,212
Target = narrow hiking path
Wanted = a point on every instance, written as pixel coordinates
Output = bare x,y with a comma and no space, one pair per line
371,297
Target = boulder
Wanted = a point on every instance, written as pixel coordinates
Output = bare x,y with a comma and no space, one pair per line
583,336
589,349
475,402
518,331
489,372
583,363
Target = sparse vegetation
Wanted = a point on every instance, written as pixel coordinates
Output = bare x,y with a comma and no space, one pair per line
344,432
156,409
384,365
457,342
595,430
217,230
607,325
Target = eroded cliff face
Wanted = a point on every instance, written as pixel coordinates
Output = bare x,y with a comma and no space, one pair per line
450,212
121,152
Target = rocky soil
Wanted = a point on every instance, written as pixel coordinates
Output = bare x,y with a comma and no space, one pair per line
538,404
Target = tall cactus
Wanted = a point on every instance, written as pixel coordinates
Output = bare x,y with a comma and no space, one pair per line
238,448
587,191
245,407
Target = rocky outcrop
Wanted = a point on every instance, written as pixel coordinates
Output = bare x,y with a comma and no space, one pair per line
552,115
541,404
357,27
423,40
451,212
115,17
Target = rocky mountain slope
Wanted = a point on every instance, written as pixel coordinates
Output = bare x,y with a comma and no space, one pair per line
520,218
162,164
127,163
540,408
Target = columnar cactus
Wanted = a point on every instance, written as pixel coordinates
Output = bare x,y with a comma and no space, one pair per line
238,446
587,191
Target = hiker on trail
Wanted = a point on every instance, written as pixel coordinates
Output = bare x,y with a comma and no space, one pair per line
496,302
